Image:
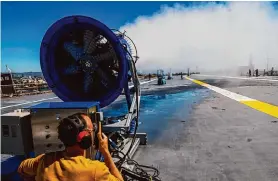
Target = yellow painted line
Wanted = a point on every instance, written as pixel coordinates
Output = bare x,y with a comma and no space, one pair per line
263,107
198,82
266,108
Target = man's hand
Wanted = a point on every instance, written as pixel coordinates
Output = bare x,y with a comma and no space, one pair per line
103,148
103,141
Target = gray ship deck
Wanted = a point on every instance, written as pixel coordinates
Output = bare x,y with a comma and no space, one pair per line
210,139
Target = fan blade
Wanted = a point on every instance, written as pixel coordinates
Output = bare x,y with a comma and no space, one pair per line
105,56
75,52
115,70
103,76
88,82
70,70
102,40
89,42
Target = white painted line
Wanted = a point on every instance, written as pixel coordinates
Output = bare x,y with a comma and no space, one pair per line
243,78
30,102
266,108
224,92
229,94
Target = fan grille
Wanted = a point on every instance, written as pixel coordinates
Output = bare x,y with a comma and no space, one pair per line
83,61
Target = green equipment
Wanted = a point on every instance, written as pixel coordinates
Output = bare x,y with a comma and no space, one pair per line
161,77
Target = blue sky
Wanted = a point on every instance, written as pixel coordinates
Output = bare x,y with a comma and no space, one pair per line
24,24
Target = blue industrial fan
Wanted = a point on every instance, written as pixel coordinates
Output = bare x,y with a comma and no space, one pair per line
83,60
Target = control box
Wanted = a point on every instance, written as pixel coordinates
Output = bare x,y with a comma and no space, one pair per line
45,120
16,133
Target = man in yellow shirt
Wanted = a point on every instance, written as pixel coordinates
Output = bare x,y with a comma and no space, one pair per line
76,132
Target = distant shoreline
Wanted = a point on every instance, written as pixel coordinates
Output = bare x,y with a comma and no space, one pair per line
26,74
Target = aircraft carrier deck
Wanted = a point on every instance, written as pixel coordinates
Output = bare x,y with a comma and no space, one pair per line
197,134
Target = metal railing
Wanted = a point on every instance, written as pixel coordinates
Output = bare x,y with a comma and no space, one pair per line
26,89
31,88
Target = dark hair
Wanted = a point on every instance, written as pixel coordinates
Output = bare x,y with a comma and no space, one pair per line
69,128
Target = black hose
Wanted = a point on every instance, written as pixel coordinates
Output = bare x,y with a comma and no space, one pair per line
137,107
140,173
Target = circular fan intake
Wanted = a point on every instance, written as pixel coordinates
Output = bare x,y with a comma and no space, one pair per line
83,60
128,45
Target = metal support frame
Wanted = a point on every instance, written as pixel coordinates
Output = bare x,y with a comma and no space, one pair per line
124,124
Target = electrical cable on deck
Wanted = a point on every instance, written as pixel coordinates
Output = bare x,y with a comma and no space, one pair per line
139,170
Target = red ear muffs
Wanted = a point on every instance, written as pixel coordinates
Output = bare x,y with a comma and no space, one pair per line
81,135
84,140
71,131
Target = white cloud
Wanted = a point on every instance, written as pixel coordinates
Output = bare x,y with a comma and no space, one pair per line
211,36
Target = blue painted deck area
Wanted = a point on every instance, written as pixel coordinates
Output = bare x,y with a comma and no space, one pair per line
156,111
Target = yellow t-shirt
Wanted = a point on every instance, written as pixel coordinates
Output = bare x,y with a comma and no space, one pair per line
58,167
